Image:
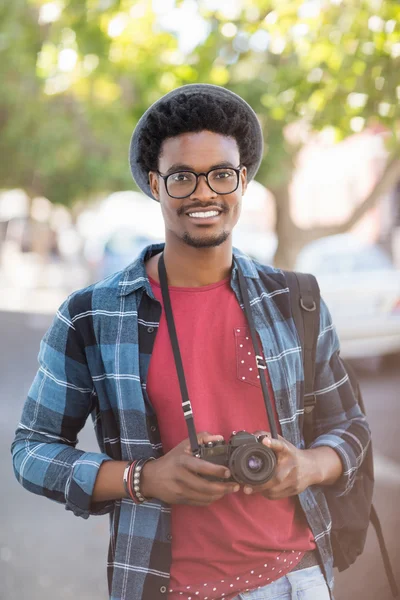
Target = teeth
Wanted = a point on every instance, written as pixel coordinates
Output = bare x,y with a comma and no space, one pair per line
204,215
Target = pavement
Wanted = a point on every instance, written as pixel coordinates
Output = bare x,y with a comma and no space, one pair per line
47,553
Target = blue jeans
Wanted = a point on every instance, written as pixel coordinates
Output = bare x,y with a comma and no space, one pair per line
306,584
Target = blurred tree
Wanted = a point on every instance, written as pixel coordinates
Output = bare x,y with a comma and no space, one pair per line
77,74
308,65
70,96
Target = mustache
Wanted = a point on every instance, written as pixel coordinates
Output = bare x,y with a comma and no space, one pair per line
202,205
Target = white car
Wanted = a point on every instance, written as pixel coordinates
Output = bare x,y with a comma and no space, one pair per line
362,290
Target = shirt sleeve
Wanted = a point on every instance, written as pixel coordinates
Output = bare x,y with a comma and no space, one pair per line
45,458
339,422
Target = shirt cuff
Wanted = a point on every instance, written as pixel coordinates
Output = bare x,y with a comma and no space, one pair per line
80,485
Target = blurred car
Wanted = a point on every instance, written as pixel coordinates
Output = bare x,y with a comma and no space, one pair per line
260,246
362,290
115,252
116,230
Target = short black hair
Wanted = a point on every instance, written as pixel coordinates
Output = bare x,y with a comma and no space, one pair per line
191,113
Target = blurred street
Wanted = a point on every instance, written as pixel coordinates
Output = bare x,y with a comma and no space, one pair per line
47,553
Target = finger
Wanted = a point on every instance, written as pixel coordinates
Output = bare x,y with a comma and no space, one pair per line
278,483
259,489
277,445
198,467
279,491
203,438
198,485
279,478
258,432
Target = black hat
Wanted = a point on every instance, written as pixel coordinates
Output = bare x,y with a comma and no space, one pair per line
217,93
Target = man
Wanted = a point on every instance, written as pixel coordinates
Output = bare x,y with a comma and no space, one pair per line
108,353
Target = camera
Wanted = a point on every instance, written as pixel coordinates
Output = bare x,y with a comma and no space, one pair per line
249,461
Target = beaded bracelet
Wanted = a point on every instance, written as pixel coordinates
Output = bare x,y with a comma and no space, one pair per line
133,480
130,482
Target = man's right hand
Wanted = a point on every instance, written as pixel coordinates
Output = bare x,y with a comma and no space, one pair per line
175,478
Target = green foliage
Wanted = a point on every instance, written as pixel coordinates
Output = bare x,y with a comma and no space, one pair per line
331,66
75,83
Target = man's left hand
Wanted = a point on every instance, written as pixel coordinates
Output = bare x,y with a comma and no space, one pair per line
294,472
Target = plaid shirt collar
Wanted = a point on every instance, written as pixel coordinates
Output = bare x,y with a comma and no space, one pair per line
135,277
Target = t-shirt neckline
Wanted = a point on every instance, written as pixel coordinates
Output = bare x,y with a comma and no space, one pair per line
202,288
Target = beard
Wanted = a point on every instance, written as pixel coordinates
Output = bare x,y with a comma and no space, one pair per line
211,241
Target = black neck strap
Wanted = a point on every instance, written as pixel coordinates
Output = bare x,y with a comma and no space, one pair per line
186,405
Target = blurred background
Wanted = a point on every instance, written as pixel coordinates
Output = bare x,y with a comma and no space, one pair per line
76,75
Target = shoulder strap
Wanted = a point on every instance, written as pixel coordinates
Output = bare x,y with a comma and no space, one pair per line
305,306
385,555
186,404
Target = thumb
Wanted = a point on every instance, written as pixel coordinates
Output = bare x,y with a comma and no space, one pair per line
275,445
203,438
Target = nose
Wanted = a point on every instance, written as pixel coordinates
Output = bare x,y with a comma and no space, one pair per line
203,190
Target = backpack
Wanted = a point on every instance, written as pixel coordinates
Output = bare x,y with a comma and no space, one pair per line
351,514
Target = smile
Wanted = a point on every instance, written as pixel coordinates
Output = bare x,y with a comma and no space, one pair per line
204,215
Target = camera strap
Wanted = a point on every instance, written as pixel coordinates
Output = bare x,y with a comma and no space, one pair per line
186,404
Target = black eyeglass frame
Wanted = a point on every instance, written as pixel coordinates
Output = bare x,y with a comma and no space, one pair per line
197,175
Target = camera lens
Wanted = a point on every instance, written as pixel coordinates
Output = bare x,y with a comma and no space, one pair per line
255,463
252,464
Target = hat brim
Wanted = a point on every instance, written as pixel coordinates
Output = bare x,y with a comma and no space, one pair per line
218,93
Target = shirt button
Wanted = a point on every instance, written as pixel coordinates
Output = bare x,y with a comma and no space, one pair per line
163,589
153,428
169,537
150,329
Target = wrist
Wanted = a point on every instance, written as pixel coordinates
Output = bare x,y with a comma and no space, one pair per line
315,469
311,470
326,465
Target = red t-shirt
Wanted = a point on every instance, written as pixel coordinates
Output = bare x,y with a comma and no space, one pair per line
239,542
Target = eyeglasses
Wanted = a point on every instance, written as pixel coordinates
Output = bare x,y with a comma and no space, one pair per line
182,184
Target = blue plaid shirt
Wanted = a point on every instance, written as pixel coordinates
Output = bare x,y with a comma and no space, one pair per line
94,360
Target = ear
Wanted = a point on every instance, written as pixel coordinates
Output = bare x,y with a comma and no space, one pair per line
243,179
154,185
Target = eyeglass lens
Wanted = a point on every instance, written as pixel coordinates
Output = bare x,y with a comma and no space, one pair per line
221,181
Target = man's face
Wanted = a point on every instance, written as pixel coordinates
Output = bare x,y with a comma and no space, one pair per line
199,152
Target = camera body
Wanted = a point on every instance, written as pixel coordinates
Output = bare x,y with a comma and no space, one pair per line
249,461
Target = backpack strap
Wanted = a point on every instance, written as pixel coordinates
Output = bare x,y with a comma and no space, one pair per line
305,305
385,555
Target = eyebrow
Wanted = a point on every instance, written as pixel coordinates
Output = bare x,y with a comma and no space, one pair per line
182,167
